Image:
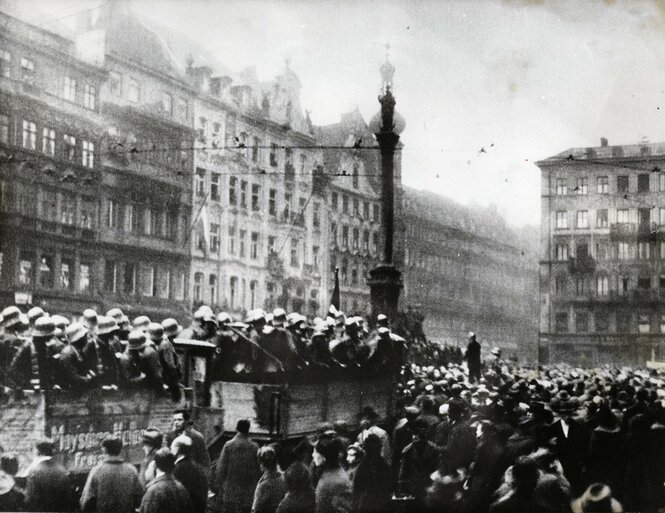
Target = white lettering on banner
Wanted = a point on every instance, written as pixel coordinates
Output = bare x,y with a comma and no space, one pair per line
90,440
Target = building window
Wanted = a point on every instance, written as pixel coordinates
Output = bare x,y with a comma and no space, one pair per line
5,64
233,198
254,246
375,243
582,185
356,238
562,252
623,251
581,322
562,220
45,275
131,219
133,91
580,286
150,286
345,203
356,207
366,240
27,70
90,97
661,216
623,215
603,185
214,186
29,135
334,198
644,282
602,322
180,287
167,103
69,146
200,182
602,285
113,214
271,244
84,278
643,250
623,284
233,289
212,285
88,210
130,279
662,250
88,154
273,155
256,196
25,275
115,82
231,246
49,206
69,90
272,202
643,182
316,215
560,284
561,187
214,237
644,324
315,256
48,141
198,287
601,218
623,322
66,268
68,209
255,149
345,236
203,130
661,182
110,276
561,322
294,252
622,183
243,194
582,218
182,108
356,177
242,236
253,286
4,128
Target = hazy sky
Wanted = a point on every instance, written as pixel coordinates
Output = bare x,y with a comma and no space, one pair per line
522,79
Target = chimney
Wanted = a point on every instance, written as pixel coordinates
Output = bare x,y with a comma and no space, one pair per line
603,142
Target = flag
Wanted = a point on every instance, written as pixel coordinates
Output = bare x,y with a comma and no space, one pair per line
205,225
334,301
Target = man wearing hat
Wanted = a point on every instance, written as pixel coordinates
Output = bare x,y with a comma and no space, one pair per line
152,442
35,358
141,323
140,364
167,358
35,313
472,357
10,342
89,320
171,329
75,375
280,345
102,352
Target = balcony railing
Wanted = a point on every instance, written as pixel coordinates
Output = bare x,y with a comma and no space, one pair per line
581,265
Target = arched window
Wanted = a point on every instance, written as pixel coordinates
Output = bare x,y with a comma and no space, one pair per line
212,282
198,286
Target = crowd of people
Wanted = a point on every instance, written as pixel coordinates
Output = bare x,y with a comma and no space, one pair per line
467,436
110,352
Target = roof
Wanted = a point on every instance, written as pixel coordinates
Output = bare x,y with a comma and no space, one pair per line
594,153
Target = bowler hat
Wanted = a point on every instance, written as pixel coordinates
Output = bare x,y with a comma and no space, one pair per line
44,327
598,497
136,340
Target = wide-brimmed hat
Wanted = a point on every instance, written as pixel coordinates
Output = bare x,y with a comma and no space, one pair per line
35,313
11,316
106,325
155,332
141,322
171,327
75,331
136,340
594,497
44,327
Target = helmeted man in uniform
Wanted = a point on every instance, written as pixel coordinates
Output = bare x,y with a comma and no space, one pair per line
107,348
167,358
141,323
43,346
279,344
75,374
140,364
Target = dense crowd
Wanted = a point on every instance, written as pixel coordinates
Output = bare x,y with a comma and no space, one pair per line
467,436
108,351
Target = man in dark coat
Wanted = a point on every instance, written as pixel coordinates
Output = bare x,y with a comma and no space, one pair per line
113,486
472,357
75,373
461,447
237,472
167,358
103,349
10,342
140,364
522,497
165,494
183,426
419,460
152,442
47,487
192,475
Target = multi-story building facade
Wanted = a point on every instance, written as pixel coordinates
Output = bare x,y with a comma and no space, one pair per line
51,131
255,185
602,267
465,270
352,162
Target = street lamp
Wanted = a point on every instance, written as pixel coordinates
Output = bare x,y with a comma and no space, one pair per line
385,280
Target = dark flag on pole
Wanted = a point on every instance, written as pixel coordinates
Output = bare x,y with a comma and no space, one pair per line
334,301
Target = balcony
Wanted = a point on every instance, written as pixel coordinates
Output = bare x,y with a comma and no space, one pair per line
581,265
623,231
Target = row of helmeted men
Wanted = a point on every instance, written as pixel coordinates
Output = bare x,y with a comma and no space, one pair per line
99,351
